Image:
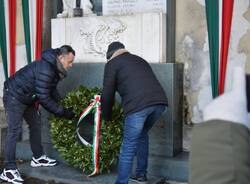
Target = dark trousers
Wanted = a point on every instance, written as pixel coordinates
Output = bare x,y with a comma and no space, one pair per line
15,112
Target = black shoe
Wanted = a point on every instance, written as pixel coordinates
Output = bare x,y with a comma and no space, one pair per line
139,179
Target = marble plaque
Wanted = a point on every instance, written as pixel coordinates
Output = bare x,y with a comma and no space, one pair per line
119,7
142,34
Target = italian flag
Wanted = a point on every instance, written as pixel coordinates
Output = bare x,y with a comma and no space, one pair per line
32,22
219,19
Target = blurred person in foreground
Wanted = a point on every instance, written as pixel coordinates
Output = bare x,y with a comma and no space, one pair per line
220,148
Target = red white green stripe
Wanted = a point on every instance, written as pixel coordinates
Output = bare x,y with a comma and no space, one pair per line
34,29
96,109
32,18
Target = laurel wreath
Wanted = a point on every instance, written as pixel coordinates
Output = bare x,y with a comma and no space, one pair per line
64,138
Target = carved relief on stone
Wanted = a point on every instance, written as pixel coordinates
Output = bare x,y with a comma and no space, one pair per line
95,40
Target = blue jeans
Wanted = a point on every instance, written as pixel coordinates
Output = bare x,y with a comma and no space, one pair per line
15,112
135,141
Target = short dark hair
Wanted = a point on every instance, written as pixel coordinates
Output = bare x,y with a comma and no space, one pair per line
65,49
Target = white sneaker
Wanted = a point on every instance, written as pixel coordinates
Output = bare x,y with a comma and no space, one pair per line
43,161
12,176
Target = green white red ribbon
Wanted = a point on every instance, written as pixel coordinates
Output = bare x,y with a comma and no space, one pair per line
93,107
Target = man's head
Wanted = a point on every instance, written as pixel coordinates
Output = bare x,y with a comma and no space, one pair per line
114,46
66,56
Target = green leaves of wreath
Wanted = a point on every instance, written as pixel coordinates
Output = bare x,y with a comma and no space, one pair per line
64,138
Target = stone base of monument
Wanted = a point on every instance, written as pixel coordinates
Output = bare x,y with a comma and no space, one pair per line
175,169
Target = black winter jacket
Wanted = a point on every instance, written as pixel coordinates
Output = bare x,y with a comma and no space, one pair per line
135,82
38,81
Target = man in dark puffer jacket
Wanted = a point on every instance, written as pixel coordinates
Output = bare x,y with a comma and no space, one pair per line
143,101
36,81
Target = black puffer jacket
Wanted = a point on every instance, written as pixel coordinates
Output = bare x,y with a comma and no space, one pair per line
135,82
38,81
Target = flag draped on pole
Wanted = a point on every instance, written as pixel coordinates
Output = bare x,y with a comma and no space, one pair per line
32,19
26,23
219,38
39,18
227,13
12,35
3,43
212,12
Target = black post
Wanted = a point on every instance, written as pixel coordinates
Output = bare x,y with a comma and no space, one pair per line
171,28
77,11
57,7
78,3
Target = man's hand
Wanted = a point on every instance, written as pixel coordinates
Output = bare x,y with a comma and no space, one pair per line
231,106
68,113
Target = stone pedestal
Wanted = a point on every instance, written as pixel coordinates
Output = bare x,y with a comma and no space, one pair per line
166,136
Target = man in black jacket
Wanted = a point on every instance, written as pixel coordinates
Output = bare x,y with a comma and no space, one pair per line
143,101
34,82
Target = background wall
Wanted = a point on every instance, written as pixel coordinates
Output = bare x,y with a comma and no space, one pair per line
192,50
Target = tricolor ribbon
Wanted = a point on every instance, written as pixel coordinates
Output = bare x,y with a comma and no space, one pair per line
95,108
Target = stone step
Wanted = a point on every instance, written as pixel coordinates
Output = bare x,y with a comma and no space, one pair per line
68,175
175,169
